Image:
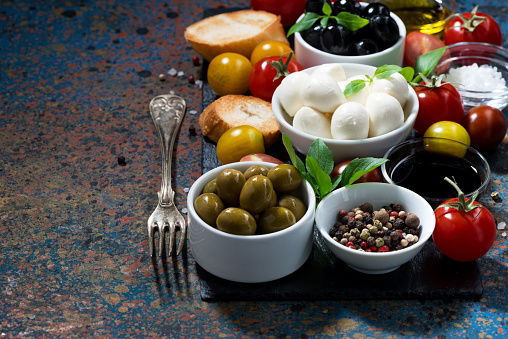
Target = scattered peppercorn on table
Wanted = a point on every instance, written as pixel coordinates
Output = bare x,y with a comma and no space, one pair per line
79,172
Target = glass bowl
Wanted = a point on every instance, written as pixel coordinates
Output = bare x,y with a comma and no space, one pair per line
479,71
422,164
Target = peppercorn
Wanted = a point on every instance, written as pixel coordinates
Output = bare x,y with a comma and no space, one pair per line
409,238
343,241
387,240
395,235
373,248
399,224
360,225
388,225
355,232
346,235
367,207
358,217
383,249
396,207
363,245
343,228
404,242
402,215
352,239
412,220
365,234
379,242
371,241
378,224
372,229
368,220
351,223
382,216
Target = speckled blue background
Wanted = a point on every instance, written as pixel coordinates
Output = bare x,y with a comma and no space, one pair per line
75,82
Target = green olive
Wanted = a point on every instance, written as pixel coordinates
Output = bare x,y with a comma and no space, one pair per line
285,178
293,204
229,185
211,187
273,200
256,194
208,207
275,219
255,170
235,220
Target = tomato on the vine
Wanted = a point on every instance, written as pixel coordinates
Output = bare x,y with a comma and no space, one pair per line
228,73
289,11
437,102
486,126
465,230
269,48
473,26
267,74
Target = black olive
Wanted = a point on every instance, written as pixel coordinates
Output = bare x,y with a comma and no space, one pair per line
386,29
336,40
313,35
350,6
365,46
316,6
376,9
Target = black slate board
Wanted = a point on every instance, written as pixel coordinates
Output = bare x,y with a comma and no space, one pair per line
430,275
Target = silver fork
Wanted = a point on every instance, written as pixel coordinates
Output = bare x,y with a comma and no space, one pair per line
167,112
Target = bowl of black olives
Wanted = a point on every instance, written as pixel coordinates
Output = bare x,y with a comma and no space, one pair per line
348,31
250,221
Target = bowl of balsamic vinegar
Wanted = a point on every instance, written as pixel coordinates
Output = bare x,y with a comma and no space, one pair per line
422,164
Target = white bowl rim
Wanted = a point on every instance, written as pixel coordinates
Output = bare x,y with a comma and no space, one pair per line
421,242
402,36
409,121
256,237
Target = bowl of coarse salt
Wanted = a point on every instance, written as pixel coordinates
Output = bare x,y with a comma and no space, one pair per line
479,71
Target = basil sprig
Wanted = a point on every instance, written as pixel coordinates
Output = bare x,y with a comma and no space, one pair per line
425,65
319,165
348,20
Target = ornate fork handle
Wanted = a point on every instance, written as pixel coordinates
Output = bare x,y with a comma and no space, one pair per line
167,112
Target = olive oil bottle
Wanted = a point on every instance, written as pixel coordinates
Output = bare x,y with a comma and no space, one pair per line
427,16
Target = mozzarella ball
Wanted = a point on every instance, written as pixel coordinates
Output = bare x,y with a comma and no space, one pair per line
359,97
395,85
312,122
333,69
289,92
322,93
350,121
385,114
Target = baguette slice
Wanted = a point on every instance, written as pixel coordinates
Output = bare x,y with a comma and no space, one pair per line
236,32
235,110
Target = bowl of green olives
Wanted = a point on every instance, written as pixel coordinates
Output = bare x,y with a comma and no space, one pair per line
378,43
251,221
395,224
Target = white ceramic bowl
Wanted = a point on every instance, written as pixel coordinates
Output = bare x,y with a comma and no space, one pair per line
475,55
250,259
348,149
378,194
309,56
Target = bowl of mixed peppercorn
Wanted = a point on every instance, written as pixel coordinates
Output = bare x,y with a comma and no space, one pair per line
375,227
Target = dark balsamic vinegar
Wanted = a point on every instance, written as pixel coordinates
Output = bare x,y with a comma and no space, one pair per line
424,174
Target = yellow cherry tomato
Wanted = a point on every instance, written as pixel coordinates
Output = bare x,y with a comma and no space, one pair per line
228,73
269,48
238,142
447,130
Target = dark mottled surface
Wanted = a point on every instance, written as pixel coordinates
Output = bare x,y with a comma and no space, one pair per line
79,171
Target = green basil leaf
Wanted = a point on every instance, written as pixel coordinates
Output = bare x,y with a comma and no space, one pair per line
295,160
327,9
322,154
322,179
386,71
358,167
350,21
307,21
336,181
324,21
408,73
354,87
427,62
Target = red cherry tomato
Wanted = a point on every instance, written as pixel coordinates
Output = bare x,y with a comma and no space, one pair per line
464,236
417,44
486,31
437,104
486,126
261,79
372,176
289,11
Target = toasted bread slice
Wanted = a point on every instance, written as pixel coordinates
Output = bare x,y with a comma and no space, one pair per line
235,110
236,32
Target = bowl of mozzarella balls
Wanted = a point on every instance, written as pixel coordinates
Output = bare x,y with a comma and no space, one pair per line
311,104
